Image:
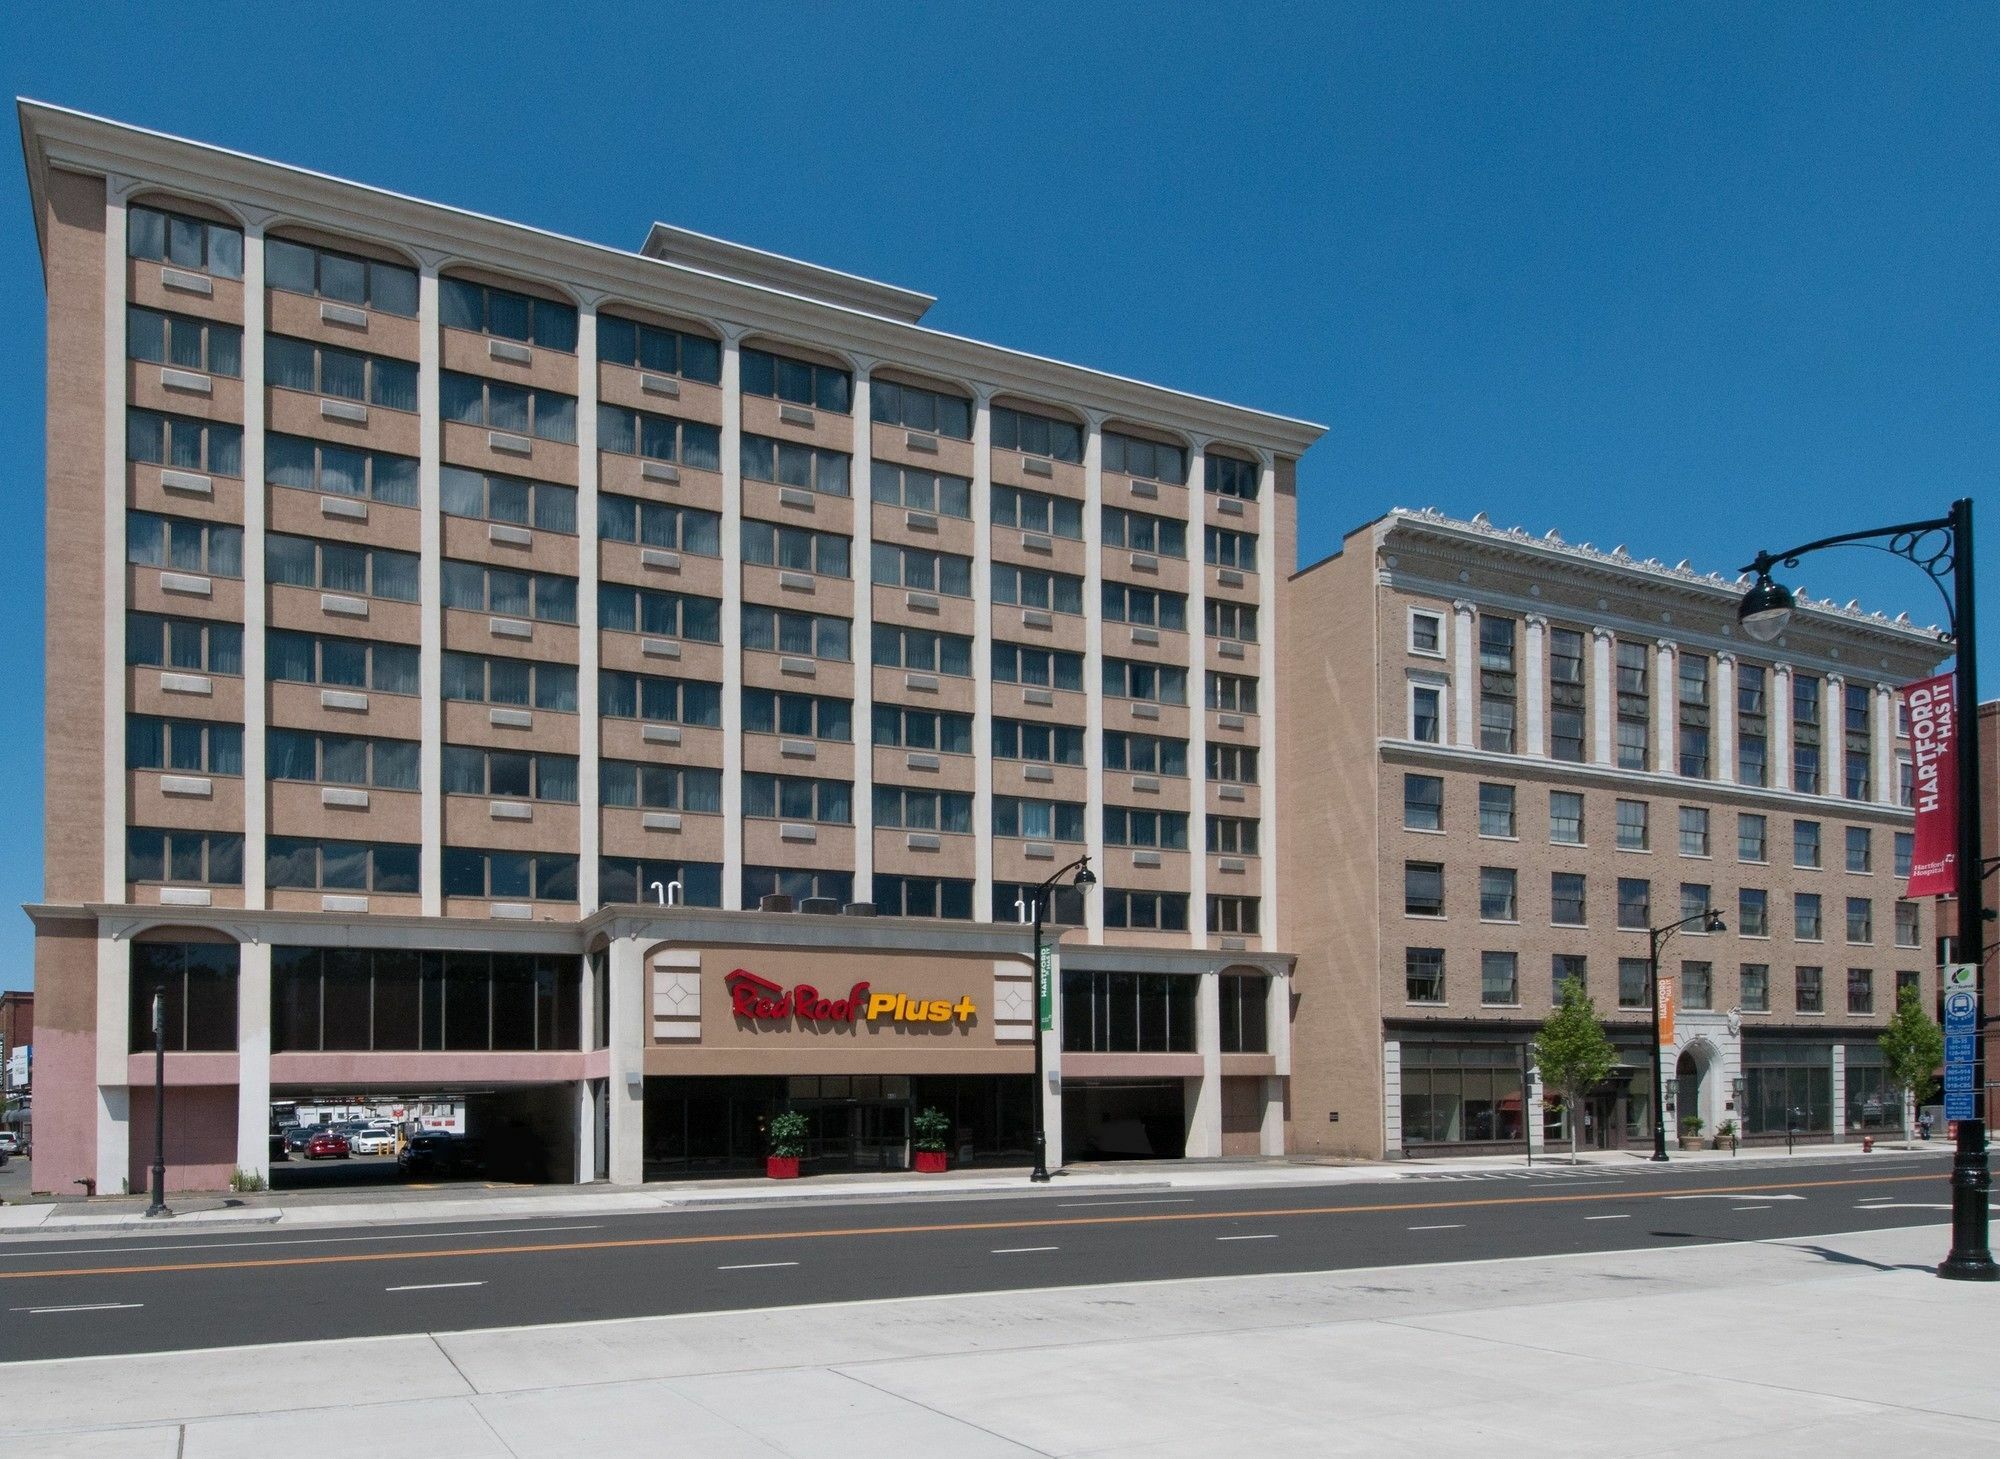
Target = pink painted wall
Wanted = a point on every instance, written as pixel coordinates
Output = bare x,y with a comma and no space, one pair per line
65,1110
201,1137
1131,1066
424,1070
182,1069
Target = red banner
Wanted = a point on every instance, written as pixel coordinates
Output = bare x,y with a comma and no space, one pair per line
1934,775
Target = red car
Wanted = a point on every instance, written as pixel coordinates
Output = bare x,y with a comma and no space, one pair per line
326,1145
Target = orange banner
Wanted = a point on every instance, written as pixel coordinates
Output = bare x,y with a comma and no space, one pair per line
1669,999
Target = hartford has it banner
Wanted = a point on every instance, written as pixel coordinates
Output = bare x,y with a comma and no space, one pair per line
1934,748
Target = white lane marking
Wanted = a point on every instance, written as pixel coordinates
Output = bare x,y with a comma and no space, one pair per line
1018,1250
26,1249
1749,1208
80,1307
432,1286
1455,1226
1623,1216
1785,1197
1265,1236
1137,1201
754,1266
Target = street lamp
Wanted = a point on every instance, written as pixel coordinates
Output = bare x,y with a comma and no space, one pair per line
1045,995
1711,921
1942,547
159,1206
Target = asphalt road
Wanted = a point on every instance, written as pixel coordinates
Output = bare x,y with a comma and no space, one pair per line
65,1297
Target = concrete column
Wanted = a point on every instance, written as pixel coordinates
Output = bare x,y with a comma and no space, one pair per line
253,1059
732,651
630,1018
1531,1102
1603,695
1270,810
1666,706
589,736
116,495
583,1092
1839,1091
114,1033
982,654
1464,683
256,599
1197,752
1882,743
430,594
1050,1093
1780,707
1536,687
1204,1095
1278,1039
1833,736
1392,1099
1093,663
861,485
1722,715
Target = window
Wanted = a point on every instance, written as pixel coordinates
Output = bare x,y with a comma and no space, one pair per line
189,858
1423,974
1906,782
1696,899
1146,911
797,798
1426,714
1752,727
1805,916
354,999
1635,903
1635,704
654,787
183,443
1037,435
196,984
689,529
1566,818
622,609
1035,511
1038,820
473,400
1694,715
797,382
1498,689
1236,622
1243,1003
192,746
1860,990
626,432
764,881
1754,987
1568,708
924,571
481,589
183,342
909,808
184,242
1125,603
922,491
773,630
1858,781
1908,984
1860,919
181,544
513,875
1496,810
788,463
1753,912
159,642
923,896
1232,836
1906,850
658,350
512,774
1694,831
1015,902
1750,837
923,650
475,679
1157,683
1144,754
1805,733
308,465
1043,744
1565,968
1805,843
1809,996
917,409
344,663
298,364
1143,532
1567,906
1635,976
1232,764
482,309
1228,476
342,760
1497,899
1423,889
1860,849
1423,802
1151,829
1148,460
1697,985
1124,1013
622,879
341,866
1907,934
1426,633
1029,587
340,567
1499,979
806,716
1227,549
1023,663
1232,693
798,549
1236,916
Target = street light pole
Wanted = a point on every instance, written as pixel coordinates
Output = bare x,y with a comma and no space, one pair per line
1045,995
1711,921
159,1206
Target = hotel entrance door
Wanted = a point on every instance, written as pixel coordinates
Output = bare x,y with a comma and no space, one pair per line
858,1122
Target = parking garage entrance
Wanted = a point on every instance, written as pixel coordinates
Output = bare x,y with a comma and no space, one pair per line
506,1135
1124,1119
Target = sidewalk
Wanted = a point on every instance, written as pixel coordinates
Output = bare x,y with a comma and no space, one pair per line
398,1205
1838,1345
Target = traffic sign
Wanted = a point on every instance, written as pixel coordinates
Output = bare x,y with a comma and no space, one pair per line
1958,1106
1958,1048
1958,1078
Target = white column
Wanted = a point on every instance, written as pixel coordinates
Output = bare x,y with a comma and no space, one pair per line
1833,737
589,737
1532,1103
982,653
253,1059
114,1034
1603,695
1270,811
430,594
1093,661
1464,686
1666,705
1780,707
861,483
256,603
1536,690
1050,1093
1278,1039
1197,752
1839,1091
732,640
1722,715
583,1092
1203,1096
1882,743
630,1018
1392,1099
116,496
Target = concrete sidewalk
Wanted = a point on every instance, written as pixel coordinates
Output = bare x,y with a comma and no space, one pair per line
1834,1345
397,1205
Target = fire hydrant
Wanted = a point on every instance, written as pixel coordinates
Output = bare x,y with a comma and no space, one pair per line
1867,1144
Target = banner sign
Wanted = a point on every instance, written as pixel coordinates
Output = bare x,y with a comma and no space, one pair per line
1961,1022
1045,994
1934,778
1669,990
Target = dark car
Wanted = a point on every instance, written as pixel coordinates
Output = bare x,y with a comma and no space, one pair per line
297,1136
278,1149
327,1145
435,1152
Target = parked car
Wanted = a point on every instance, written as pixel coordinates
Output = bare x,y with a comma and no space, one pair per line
278,1150
10,1143
327,1145
433,1152
298,1136
375,1140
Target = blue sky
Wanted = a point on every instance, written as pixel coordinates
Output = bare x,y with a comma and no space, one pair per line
1693,278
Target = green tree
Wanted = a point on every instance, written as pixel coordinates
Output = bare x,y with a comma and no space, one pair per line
1572,1052
1913,1047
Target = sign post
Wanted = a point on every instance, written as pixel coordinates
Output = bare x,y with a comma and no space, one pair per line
1961,1028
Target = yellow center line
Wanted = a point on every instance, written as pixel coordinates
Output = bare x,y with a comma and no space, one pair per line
1027,1223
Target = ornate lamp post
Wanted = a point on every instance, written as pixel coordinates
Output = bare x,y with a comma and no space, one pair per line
1711,921
1045,995
159,1205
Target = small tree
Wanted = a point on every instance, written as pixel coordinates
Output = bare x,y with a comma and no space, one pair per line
933,1129
1572,1052
1913,1046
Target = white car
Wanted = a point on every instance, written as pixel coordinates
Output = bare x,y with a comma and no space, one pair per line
374,1141
10,1143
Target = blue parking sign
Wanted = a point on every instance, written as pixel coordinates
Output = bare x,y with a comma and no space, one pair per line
1958,1106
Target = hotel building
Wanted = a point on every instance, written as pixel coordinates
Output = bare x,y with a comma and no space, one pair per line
463,641
1529,754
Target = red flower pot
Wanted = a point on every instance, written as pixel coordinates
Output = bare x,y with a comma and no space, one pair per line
782,1167
931,1162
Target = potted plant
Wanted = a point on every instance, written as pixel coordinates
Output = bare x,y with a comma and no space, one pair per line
1691,1132
1726,1131
933,1137
787,1134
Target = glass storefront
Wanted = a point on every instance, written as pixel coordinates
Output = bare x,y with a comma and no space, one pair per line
1787,1085
1874,1103
1461,1093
